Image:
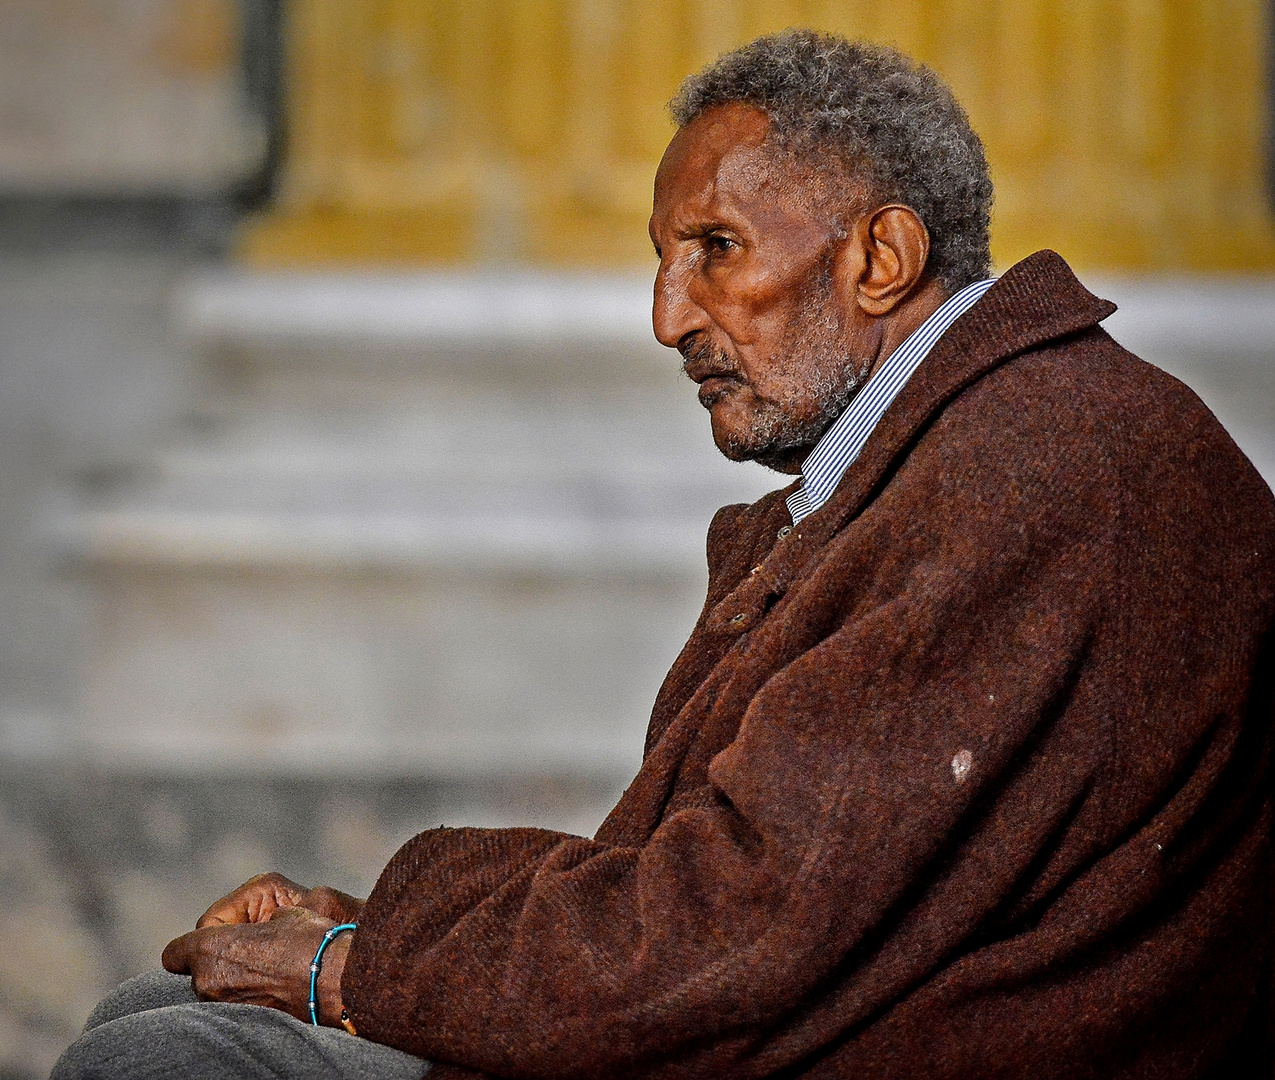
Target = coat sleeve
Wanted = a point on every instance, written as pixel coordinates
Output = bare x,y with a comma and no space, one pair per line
920,771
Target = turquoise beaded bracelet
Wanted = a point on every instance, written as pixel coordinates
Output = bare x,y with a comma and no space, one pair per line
317,963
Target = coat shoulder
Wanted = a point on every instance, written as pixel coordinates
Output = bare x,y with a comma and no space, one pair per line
1086,400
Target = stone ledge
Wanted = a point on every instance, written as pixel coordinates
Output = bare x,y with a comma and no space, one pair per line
634,548
488,309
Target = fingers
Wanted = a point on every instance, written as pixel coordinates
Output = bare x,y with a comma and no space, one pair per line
179,952
287,917
258,899
222,961
226,911
333,904
254,901
265,963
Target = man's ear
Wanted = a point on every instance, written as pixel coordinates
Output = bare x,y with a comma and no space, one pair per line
893,248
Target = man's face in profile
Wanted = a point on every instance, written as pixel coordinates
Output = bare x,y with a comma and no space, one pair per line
746,290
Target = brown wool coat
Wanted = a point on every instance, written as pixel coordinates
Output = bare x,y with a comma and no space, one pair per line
969,776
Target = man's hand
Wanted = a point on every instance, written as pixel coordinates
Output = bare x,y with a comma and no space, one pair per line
264,962
259,898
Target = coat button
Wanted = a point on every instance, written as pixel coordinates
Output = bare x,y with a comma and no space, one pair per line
784,531
737,619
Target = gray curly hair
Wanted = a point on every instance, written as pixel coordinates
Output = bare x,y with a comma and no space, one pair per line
863,114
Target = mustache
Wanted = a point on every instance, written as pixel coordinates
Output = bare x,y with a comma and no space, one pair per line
702,360
702,352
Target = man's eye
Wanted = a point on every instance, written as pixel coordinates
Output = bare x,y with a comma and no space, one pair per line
720,244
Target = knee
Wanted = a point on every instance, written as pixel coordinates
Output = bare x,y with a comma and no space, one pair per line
90,1057
151,990
73,1064
146,1044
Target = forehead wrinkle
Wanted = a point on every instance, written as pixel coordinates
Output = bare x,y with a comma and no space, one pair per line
746,173
691,215
707,144
719,176
765,175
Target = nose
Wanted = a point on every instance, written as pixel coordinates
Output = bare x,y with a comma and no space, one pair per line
674,314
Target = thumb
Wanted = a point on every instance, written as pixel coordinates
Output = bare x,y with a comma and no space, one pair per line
178,952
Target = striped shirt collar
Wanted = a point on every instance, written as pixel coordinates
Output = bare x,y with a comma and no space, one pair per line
840,445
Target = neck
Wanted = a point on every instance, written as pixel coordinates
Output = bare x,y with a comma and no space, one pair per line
895,327
889,331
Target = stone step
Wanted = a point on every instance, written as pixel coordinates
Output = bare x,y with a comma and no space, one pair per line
375,337
491,308
622,483
428,525
376,673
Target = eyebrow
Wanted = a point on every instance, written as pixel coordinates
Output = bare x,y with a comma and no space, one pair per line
701,226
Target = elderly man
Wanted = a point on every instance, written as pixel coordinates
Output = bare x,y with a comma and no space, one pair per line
965,769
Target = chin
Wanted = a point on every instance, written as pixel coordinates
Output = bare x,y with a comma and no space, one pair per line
786,460
770,440
733,443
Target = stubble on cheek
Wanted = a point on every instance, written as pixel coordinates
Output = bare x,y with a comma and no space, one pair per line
815,380
797,392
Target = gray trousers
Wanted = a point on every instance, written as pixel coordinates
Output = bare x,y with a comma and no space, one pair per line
154,1028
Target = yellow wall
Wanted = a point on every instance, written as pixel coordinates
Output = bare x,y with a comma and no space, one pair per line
1127,134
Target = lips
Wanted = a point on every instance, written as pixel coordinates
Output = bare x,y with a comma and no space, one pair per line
704,364
709,366
713,388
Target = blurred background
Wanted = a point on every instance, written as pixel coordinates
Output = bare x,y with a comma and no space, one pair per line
343,489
